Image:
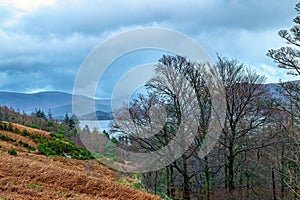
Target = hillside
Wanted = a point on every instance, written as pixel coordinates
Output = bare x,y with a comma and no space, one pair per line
30,175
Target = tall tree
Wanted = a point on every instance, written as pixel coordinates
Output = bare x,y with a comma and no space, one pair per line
246,112
176,77
170,68
288,57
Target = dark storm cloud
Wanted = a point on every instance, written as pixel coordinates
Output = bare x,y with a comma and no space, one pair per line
41,63
32,76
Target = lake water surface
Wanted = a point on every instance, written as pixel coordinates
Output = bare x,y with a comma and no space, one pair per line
100,124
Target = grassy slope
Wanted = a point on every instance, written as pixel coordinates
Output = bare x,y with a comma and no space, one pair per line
32,176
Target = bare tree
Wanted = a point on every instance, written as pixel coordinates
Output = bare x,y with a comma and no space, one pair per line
173,86
288,57
247,111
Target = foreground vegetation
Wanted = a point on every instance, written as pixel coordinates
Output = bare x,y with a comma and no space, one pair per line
50,144
26,173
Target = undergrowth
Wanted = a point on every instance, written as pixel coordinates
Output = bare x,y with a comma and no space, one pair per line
55,145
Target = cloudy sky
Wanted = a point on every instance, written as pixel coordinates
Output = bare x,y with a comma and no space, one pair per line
44,42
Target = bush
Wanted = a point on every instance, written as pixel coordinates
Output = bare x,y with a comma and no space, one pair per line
49,123
10,127
57,145
26,145
16,130
59,136
12,152
62,147
3,126
39,139
25,133
34,126
6,138
46,151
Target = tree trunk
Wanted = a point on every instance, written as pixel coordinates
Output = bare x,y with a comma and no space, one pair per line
186,186
231,169
167,180
155,183
172,185
206,171
247,182
226,176
282,172
273,184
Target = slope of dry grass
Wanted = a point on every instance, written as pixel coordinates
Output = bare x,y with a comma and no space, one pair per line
32,176
31,130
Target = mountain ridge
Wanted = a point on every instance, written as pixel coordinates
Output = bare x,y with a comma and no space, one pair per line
58,102
61,103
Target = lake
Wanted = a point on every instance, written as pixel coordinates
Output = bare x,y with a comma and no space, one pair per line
100,124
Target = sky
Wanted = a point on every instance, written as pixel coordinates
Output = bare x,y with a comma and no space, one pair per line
44,42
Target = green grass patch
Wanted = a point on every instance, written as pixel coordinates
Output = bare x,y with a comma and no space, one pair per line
37,187
133,181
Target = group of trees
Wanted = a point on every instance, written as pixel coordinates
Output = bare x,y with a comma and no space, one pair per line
288,57
38,119
235,162
257,155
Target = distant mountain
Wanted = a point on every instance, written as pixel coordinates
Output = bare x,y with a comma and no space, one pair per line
276,91
58,102
98,115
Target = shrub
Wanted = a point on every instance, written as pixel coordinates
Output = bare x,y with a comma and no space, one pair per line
10,127
57,145
17,131
34,126
6,138
61,147
3,126
46,151
39,139
25,133
12,152
59,136
49,123
26,145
